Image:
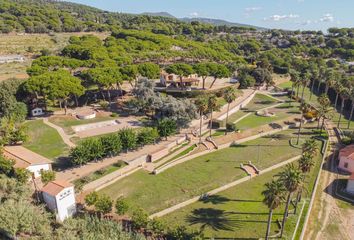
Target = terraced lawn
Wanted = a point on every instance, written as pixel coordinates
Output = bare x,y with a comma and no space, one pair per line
258,102
197,176
238,212
45,140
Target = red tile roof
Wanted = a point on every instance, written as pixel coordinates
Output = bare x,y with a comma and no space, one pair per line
53,188
348,152
24,157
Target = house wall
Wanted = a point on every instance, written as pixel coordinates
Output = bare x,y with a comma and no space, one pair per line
50,201
342,163
37,168
66,203
350,186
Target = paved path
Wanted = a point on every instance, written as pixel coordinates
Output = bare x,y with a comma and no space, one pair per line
220,189
63,135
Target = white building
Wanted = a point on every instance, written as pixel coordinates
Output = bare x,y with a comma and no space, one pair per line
27,159
11,58
60,198
346,159
350,184
37,112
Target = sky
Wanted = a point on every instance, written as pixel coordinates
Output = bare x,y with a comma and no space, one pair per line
282,14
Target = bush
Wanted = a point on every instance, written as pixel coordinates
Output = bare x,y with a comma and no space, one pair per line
347,140
114,115
103,104
128,138
119,163
121,206
147,136
91,198
47,176
231,127
166,127
112,144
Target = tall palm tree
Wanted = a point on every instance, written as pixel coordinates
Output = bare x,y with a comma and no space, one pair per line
330,79
202,106
314,76
323,109
304,108
351,96
344,95
291,178
213,105
295,79
338,87
310,147
306,163
304,81
322,78
274,195
230,95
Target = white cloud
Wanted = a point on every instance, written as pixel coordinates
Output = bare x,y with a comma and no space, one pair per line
277,17
328,17
307,22
252,9
194,14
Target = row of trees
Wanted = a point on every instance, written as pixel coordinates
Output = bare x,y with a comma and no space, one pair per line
94,149
288,182
139,219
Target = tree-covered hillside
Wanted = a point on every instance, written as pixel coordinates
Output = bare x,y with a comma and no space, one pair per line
43,16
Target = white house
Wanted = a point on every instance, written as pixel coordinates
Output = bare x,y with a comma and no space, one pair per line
346,159
27,159
59,197
350,184
37,112
11,58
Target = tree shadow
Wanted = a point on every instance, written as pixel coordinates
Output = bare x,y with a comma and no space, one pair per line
338,187
215,199
214,219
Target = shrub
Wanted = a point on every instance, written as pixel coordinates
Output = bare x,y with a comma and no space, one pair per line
147,136
166,127
103,104
114,115
47,176
91,198
121,206
103,204
128,138
231,127
346,140
140,219
112,144
119,163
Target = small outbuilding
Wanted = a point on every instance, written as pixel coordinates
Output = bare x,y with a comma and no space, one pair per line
36,112
346,159
27,159
350,184
59,197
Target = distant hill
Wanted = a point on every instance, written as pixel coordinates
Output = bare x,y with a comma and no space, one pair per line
158,14
215,22
220,22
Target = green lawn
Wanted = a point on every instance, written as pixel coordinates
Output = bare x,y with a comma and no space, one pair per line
258,102
45,140
197,176
66,122
238,212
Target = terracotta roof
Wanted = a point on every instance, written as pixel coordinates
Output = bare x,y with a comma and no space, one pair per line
53,188
348,152
351,177
24,157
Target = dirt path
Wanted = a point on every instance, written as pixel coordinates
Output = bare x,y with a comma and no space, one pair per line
330,222
63,135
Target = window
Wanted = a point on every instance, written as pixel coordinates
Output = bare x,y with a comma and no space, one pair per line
346,165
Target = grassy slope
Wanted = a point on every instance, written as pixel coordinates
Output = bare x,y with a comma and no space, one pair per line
192,178
45,140
237,212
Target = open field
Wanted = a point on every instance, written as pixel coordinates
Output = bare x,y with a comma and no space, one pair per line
199,175
238,212
45,140
30,45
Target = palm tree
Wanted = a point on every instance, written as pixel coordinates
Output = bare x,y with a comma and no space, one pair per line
291,178
202,106
295,79
344,95
338,88
310,147
322,79
323,109
351,96
314,76
304,81
230,95
304,108
306,163
330,79
274,195
213,105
